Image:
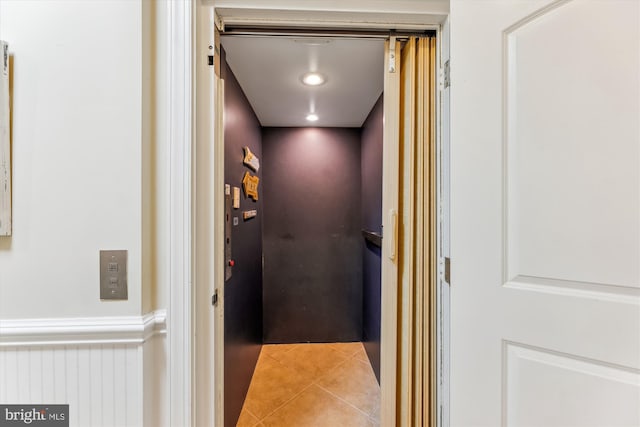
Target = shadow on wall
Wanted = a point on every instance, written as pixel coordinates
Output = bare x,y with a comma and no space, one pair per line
243,291
372,134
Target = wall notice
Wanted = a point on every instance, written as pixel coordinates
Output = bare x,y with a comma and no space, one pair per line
5,144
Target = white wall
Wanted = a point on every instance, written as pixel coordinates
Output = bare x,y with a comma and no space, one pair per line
90,172
76,155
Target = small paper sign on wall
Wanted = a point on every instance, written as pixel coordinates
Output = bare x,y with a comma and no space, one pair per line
5,143
250,185
250,160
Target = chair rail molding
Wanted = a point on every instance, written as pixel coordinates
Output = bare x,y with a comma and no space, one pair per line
82,330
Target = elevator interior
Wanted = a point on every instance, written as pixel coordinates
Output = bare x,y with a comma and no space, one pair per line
304,249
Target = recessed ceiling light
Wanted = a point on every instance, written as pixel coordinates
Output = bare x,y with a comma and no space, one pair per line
312,117
313,79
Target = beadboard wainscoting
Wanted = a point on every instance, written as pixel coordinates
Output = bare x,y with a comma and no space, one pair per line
111,371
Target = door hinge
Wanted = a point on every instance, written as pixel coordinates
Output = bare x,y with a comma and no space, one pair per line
214,298
445,269
392,54
219,24
446,75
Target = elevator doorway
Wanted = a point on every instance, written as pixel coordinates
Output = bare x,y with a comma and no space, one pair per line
399,153
303,270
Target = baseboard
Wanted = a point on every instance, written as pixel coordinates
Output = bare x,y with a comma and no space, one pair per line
82,330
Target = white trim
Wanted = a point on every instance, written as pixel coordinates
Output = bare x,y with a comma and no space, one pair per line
283,18
82,330
180,108
443,290
208,267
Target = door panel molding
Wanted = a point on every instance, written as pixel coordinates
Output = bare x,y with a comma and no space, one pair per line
551,375
597,291
553,201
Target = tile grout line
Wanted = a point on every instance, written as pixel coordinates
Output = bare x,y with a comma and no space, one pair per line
324,374
344,401
251,383
287,402
251,413
292,397
355,358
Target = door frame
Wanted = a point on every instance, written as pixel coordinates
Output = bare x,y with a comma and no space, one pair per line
190,358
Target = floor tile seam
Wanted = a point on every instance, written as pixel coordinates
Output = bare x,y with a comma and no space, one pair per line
300,371
265,355
339,352
281,363
308,373
345,401
368,364
365,358
326,374
253,415
272,358
365,362
285,403
292,346
329,371
346,353
375,421
297,371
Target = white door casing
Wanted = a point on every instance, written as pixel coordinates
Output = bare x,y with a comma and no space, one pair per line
545,213
444,247
359,17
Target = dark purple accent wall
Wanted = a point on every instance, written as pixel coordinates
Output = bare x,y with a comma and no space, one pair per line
243,292
312,240
371,167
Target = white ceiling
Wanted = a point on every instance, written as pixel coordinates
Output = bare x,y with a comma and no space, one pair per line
269,70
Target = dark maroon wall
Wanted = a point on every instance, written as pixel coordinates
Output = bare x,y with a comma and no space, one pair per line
243,292
312,241
371,167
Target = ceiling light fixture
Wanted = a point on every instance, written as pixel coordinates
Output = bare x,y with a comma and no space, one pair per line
312,117
313,79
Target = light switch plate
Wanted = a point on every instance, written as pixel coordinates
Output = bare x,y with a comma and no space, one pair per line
113,275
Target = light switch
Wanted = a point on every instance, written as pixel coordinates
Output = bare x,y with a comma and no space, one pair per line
113,275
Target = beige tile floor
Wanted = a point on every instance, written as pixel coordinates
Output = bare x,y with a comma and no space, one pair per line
319,385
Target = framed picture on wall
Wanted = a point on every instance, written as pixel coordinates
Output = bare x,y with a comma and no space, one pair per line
5,143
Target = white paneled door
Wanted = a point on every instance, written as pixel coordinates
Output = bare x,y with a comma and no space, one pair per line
545,213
